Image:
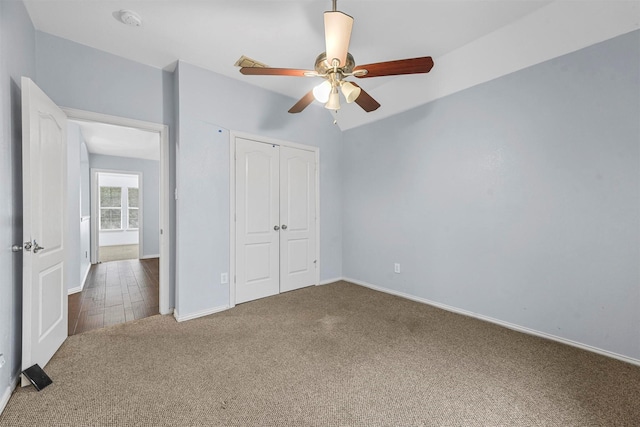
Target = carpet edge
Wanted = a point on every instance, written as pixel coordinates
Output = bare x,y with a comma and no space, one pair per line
498,322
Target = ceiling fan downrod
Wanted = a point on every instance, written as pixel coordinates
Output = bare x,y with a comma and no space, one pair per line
335,6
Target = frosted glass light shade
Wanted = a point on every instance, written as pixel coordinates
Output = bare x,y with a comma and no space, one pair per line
350,91
322,91
337,33
334,100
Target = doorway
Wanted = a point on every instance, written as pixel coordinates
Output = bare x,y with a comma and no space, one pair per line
153,254
122,282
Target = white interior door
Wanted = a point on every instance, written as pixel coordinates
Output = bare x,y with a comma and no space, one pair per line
257,220
298,218
44,174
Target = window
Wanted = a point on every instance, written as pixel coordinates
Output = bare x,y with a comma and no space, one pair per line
110,208
119,208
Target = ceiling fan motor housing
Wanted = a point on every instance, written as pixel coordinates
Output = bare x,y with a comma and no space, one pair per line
323,67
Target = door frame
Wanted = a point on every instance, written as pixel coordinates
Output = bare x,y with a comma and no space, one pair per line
165,192
233,135
95,210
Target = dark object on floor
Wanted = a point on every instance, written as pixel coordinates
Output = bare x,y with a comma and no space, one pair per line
37,376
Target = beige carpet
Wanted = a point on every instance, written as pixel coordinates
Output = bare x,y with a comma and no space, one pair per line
335,355
118,253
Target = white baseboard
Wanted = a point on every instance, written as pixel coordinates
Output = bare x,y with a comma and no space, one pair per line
74,290
199,313
84,280
327,281
508,325
6,395
150,256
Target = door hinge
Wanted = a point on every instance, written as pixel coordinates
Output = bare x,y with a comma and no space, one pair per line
175,193
161,231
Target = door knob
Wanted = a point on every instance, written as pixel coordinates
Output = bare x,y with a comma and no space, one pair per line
284,226
36,247
275,227
27,246
16,248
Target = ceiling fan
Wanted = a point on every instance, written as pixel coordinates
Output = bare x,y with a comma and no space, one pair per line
336,64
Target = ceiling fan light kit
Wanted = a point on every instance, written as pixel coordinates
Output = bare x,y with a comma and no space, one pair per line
335,64
350,91
322,91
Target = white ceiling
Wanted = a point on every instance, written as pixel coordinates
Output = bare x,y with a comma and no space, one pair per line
471,41
112,140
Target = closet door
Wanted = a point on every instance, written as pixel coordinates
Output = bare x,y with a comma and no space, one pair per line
298,218
257,220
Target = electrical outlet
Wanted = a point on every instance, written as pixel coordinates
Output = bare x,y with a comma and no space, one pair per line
2,361
396,268
224,278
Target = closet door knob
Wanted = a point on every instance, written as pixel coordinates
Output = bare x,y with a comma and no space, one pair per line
275,227
284,226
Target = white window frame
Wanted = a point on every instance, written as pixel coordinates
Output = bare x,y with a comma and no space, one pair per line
124,210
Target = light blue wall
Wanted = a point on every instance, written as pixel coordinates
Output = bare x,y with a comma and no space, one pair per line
85,180
150,194
17,58
77,76
517,199
210,106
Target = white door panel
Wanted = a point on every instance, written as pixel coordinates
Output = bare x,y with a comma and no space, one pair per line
275,219
298,213
257,212
44,157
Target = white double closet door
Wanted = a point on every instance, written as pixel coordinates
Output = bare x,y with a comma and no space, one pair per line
275,219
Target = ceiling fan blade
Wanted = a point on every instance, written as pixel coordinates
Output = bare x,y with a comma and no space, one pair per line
337,34
393,68
365,101
264,71
303,103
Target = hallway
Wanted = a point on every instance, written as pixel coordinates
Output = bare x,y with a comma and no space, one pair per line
115,292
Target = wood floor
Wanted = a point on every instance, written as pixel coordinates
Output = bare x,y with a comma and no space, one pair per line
115,292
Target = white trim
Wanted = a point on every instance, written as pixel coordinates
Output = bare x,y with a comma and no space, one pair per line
199,313
165,199
150,256
329,281
93,229
13,383
232,219
77,289
86,274
232,201
507,325
268,140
